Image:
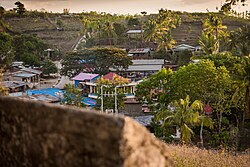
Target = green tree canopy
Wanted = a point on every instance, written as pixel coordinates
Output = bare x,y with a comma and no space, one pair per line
49,67
154,89
158,28
20,8
29,49
201,81
6,49
97,60
239,41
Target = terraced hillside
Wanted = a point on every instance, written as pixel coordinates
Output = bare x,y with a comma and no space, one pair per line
191,26
46,28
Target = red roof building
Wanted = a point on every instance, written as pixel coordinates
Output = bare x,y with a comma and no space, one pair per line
110,76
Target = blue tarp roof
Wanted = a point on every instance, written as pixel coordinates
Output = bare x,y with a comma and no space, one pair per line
89,101
53,91
47,91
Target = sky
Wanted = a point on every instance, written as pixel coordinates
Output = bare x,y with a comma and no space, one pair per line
121,6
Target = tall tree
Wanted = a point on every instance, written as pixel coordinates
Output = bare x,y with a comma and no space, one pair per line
2,10
158,29
183,115
227,6
49,67
20,8
154,89
6,49
97,60
72,96
239,41
212,35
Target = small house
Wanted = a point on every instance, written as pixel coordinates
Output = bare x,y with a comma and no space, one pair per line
135,33
84,77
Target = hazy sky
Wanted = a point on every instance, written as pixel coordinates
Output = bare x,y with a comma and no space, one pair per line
121,6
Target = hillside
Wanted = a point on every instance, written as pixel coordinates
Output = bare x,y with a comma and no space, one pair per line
46,28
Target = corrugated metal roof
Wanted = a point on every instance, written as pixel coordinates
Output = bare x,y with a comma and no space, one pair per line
24,75
183,47
84,76
31,70
13,84
144,120
144,68
139,50
135,31
148,62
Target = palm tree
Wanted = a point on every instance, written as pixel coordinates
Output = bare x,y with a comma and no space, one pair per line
158,29
209,44
2,10
240,40
213,25
213,34
242,80
109,31
184,116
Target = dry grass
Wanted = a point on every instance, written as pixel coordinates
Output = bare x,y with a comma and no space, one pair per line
185,156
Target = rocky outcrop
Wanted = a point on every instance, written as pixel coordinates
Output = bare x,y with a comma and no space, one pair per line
38,134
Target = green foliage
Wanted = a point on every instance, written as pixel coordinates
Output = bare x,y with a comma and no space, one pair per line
158,29
133,21
183,57
164,132
202,81
100,27
227,6
240,41
108,87
100,60
3,90
49,67
2,10
212,35
59,23
72,96
29,49
183,115
119,29
20,8
6,49
154,89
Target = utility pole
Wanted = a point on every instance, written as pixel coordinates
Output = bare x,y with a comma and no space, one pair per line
102,98
116,109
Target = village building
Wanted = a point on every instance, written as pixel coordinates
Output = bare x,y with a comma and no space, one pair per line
183,47
142,68
84,77
15,88
137,34
139,53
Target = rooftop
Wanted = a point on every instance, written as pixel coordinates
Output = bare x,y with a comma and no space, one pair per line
110,76
139,50
135,31
144,68
24,75
85,76
148,62
31,70
12,84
